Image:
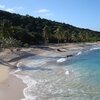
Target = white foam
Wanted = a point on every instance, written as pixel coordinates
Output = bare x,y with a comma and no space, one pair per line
90,49
67,72
95,48
61,60
79,53
29,82
18,70
19,64
33,98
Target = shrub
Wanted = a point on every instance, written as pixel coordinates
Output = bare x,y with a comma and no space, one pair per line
26,45
9,42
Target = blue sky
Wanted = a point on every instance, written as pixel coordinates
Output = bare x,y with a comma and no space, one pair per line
80,13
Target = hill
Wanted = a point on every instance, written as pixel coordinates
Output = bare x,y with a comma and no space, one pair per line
33,30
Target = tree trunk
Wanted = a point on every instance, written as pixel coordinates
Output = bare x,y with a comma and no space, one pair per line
58,41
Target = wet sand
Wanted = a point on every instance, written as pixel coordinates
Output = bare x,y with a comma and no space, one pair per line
11,88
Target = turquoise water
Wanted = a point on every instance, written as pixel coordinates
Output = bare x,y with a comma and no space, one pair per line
87,69
77,78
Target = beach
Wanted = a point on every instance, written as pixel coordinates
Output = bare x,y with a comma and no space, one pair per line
11,87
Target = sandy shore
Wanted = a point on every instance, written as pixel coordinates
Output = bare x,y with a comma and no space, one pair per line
11,88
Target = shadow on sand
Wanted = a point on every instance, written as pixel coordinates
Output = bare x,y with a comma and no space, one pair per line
7,64
21,55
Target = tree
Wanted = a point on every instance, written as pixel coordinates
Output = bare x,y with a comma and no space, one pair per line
37,30
74,36
6,28
59,33
46,33
67,35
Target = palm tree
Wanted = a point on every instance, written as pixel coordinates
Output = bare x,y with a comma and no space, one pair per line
59,34
68,35
74,36
46,34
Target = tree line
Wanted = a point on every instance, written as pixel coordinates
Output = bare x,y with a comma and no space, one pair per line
31,30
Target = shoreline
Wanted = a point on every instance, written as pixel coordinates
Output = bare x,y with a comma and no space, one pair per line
16,56
11,87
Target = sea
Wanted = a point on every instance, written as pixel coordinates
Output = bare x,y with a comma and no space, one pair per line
57,78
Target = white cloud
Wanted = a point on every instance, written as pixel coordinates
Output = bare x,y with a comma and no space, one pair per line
43,11
10,10
13,9
2,6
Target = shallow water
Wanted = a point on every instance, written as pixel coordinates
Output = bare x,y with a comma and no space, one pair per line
75,79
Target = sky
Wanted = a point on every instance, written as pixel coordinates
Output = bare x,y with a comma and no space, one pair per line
80,13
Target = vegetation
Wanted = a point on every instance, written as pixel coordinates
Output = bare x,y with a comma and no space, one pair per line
29,30
9,42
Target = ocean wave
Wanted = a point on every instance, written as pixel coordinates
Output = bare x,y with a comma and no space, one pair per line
61,60
88,50
29,82
36,62
94,48
79,53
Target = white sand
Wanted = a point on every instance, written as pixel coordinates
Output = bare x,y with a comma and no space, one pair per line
11,88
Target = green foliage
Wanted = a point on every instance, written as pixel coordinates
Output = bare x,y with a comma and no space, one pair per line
59,35
9,42
32,30
26,45
46,34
